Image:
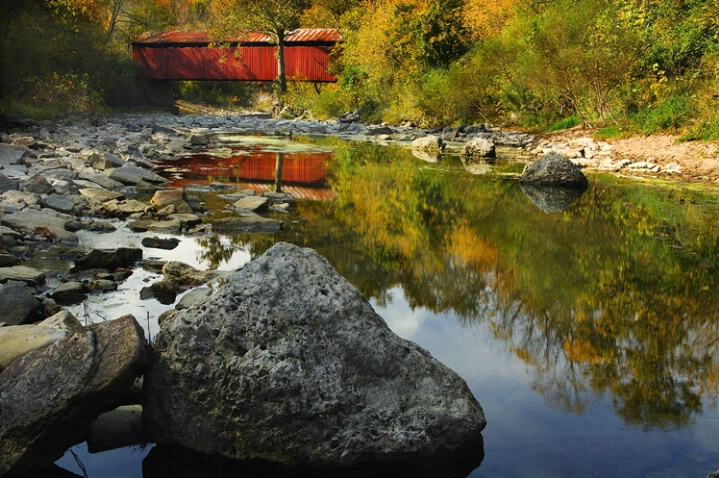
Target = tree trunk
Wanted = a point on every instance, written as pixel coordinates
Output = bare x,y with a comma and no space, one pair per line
281,76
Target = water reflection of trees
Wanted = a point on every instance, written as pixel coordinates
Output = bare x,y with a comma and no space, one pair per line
615,295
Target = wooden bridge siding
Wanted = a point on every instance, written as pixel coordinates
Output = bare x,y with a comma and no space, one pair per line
308,62
254,63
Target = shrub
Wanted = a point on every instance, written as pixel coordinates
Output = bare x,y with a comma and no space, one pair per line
63,94
672,113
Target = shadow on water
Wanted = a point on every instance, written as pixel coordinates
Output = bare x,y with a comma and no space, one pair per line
164,461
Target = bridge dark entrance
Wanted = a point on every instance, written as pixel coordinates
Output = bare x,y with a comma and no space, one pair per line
169,56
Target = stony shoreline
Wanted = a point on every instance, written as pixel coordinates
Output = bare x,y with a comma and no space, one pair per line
60,182
57,179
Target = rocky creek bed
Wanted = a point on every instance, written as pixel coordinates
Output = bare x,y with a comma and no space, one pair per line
63,183
62,186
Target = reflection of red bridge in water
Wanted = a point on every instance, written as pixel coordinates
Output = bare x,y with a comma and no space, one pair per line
303,175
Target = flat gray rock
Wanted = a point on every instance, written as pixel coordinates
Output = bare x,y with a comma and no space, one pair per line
8,260
247,223
131,174
8,184
59,203
11,154
252,203
29,220
99,195
288,362
193,297
25,274
102,181
121,208
166,226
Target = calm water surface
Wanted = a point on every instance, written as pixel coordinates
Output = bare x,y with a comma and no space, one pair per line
589,334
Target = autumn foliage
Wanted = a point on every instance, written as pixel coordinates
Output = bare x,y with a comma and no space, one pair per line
636,66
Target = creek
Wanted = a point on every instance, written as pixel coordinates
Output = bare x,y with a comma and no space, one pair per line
588,334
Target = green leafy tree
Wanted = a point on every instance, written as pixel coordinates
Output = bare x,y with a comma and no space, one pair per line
275,18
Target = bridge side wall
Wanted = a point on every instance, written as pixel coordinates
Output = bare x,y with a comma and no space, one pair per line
244,63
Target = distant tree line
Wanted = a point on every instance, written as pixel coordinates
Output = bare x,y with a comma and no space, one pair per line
637,66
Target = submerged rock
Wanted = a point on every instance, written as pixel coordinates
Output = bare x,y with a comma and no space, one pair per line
69,293
50,397
109,259
115,429
163,291
247,223
181,274
554,170
289,363
155,242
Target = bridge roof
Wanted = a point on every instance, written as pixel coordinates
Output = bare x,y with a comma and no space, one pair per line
301,35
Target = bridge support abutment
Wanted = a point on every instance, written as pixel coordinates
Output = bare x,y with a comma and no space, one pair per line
159,93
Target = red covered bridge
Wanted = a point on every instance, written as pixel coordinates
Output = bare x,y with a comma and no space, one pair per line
194,56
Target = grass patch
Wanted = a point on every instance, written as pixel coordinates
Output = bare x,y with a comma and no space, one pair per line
566,123
672,113
612,132
34,112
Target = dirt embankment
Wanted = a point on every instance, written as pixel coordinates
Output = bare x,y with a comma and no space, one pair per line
697,160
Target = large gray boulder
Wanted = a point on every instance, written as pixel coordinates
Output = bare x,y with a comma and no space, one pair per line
288,362
50,397
19,304
554,169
